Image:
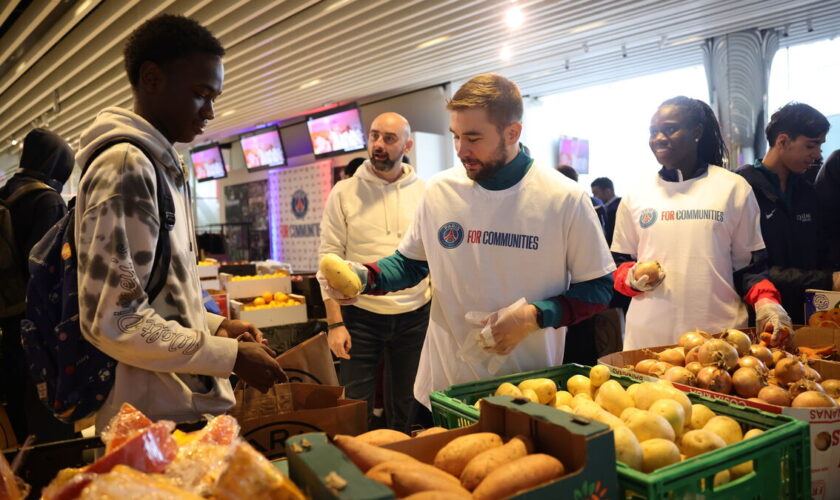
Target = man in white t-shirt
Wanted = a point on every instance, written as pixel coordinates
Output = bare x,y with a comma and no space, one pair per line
365,218
489,233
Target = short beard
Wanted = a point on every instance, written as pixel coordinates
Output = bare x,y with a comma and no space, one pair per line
489,169
385,165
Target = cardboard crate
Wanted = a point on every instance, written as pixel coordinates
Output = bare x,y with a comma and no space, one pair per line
822,308
585,447
247,289
208,271
273,316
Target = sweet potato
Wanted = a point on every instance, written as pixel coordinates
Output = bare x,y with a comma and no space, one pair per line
411,480
382,473
517,476
436,495
455,456
430,431
379,437
366,455
486,462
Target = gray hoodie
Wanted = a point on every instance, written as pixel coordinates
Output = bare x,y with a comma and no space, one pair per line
170,364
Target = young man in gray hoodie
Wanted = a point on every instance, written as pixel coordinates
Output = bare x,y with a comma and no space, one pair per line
173,358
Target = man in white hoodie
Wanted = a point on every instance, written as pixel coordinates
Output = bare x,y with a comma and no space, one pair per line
173,359
365,218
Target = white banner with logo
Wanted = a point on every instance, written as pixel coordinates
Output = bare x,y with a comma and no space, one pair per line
297,196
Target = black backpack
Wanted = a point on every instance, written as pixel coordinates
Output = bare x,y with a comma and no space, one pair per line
13,284
73,377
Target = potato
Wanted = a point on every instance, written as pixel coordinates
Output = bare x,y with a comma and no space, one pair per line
722,478
366,455
752,433
563,398
646,425
409,480
672,412
339,275
566,408
530,395
545,388
650,392
456,454
598,375
700,414
578,384
657,453
631,390
382,472
486,462
508,389
437,495
520,475
611,397
741,470
700,441
432,430
726,427
379,437
580,397
627,447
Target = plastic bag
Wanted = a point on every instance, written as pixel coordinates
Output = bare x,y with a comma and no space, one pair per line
476,348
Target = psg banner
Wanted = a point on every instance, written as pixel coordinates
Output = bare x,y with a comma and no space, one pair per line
296,199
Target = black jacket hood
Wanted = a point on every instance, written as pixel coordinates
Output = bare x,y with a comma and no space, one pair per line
47,157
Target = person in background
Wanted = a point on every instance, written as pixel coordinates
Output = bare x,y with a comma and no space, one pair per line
175,69
602,189
827,186
690,238
600,210
790,214
352,166
497,267
365,218
46,162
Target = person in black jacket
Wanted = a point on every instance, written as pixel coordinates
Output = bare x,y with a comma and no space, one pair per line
827,185
46,158
602,188
790,214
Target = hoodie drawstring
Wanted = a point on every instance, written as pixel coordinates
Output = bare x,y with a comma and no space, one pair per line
385,204
399,212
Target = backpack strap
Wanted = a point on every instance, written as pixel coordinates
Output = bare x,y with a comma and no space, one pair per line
166,216
25,189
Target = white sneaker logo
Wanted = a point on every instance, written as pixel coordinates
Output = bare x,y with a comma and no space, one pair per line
768,215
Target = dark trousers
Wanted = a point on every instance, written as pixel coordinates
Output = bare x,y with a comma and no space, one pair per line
397,339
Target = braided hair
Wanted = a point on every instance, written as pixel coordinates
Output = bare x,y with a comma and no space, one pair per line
710,148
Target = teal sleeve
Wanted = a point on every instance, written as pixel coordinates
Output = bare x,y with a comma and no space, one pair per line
395,272
581,301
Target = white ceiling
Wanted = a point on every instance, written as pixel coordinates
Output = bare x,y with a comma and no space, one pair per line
285,57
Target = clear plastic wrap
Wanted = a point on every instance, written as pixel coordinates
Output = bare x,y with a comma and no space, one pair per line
250,475
125,483
123,426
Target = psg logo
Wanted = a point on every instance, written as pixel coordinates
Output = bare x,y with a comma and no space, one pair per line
647,218
450,235
300,203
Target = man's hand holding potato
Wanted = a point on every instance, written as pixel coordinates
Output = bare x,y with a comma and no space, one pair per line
343,280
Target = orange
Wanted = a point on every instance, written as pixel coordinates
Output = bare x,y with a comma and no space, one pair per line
280,296
259,301
817,318
267,297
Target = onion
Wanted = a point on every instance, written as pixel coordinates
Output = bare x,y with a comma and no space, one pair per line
812,374
674,356
717,352
680,375
813,399
774,395
714,379
789,370
659,368
804,385
756,400
689,340
778,355
752,362
694,367
740,340
691,355
747,381
762,353
832,387
644,366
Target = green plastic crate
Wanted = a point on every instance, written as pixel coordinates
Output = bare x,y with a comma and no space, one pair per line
781,456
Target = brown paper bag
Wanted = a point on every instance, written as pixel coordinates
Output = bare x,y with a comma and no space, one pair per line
310,362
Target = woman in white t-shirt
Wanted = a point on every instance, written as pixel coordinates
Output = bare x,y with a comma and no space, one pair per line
700,223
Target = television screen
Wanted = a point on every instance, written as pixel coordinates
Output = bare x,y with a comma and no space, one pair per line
263,149
574,152
336,131
208,163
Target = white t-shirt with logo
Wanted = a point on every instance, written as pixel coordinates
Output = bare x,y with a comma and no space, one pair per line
487,249
700,231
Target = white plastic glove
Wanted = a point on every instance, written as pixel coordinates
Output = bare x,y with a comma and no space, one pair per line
771,317
643,283
360,270
510,325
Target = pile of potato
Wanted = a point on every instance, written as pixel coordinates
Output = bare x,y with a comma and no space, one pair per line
731,364
654,423
479,465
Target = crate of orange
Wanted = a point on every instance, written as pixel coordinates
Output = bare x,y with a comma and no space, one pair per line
247,287
270,309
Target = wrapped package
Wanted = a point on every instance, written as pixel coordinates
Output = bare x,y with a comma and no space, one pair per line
125,483
201,455
250,475
127,423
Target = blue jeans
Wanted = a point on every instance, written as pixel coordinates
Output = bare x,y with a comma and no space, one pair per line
397,337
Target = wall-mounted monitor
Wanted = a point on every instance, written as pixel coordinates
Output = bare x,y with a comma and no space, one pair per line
575,152
336,131
208,163
263,149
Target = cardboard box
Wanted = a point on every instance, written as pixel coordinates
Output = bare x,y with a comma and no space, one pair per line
247,289
208,271
289,409
272,316
585,447
210,284
822,308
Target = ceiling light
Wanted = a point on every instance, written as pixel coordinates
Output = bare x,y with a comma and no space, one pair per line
311,83
585,27
337,5
685,40
228,113
514,17
433,41
81,8
14,142
506,53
